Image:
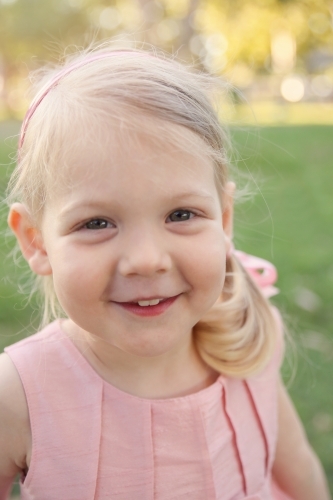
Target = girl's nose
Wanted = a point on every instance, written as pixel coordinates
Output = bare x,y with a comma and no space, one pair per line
144,255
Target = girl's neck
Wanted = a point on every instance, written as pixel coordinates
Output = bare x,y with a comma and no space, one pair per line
174,375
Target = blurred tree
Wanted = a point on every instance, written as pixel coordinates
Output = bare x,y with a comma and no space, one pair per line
250,25
37,28
231,34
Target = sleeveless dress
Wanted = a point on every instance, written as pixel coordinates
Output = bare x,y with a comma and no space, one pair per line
92,441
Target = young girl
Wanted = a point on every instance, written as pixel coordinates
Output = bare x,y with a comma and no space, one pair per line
160,379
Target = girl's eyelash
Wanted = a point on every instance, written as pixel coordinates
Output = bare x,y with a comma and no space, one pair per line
96,224
181,215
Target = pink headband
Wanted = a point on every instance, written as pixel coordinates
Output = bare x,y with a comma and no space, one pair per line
54,82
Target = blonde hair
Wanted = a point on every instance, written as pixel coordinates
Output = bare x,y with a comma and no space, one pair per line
237,336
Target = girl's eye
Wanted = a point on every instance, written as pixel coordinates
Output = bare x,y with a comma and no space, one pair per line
97,224
181,215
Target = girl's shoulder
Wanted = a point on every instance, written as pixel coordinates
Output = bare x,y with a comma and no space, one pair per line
15,434
49,333
15,429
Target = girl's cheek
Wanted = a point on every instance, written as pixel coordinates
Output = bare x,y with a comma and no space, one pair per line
209,263
72,272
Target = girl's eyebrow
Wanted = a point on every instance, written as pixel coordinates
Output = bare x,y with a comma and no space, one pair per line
100,204
192,194
83,205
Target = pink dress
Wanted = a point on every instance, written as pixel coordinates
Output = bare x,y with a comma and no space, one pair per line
91,441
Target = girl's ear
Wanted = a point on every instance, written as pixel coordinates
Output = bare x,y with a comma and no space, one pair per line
228,214
30,239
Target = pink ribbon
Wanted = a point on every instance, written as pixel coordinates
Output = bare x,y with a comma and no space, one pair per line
262,272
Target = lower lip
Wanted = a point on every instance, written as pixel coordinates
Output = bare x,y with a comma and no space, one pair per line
147,311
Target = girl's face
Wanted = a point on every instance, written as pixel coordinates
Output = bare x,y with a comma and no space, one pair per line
131,226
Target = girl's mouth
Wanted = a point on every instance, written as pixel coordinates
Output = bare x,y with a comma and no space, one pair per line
152,307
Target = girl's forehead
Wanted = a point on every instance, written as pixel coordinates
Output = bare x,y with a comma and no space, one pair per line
134,163
117,148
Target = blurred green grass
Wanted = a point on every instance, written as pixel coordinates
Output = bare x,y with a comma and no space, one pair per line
15,317
289,222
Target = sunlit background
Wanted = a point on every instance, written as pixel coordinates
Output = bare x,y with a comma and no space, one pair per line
278,54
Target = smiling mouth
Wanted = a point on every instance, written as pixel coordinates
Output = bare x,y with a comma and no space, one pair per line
148,307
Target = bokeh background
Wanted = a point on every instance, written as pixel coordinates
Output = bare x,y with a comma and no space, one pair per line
278,55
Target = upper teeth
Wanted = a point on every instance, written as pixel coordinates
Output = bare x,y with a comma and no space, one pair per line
145,303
